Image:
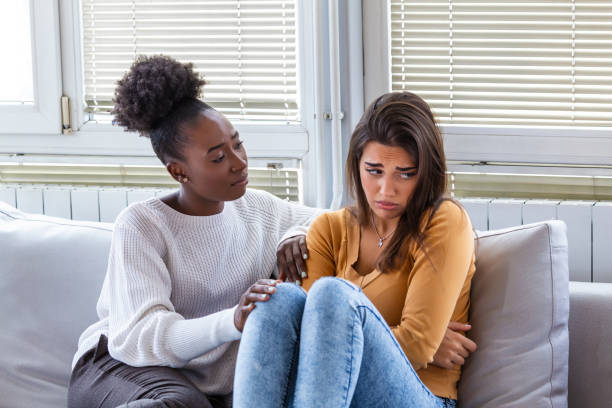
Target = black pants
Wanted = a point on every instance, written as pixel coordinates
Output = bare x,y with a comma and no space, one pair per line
99,381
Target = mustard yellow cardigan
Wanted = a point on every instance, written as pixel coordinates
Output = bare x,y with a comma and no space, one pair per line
418,299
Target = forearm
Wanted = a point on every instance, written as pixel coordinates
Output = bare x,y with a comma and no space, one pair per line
188,339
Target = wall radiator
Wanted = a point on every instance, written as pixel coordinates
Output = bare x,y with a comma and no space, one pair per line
589,224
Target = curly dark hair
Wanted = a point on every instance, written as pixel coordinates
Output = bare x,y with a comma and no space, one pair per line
157,97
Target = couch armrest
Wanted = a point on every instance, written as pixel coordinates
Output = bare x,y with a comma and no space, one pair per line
590,332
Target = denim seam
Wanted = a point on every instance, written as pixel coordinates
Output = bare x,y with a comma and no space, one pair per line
286,398
296,349
351,362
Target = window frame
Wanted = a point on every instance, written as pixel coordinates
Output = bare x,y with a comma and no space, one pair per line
482,144
43,116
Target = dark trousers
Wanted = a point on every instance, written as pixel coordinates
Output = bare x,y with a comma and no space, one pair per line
99,381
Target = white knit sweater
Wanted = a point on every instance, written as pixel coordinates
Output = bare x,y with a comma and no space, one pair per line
174,280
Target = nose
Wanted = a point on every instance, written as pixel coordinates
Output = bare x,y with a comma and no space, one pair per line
386,187
238,162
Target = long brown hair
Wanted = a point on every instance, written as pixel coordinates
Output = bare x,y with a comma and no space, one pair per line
405,120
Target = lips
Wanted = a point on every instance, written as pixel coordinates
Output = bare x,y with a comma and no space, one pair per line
241,181
386,205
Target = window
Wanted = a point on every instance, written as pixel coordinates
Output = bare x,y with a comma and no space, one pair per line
16,85
509,82
30,85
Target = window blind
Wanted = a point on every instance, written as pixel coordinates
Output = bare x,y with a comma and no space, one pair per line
530,186
539,63
245,49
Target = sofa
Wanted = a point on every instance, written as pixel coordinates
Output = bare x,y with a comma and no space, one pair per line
543,341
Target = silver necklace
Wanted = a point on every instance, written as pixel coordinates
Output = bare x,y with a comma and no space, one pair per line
380,239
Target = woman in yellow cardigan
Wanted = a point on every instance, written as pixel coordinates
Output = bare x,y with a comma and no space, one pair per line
400,260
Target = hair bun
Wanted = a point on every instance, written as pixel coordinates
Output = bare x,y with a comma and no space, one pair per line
151,89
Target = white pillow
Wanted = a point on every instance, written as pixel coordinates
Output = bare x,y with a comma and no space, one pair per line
50,278
519,314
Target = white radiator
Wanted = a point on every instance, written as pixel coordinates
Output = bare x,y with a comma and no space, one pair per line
589,228
77,203
589,224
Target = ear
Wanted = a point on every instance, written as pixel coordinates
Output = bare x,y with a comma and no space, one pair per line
176,171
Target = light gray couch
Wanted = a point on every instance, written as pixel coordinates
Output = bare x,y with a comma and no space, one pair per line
52,270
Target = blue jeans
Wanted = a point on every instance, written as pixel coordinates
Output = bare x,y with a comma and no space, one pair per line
331,348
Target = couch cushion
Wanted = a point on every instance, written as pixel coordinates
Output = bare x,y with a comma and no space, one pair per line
590,330
519,314
50,278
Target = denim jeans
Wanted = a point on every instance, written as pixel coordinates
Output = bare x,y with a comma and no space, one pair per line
331,348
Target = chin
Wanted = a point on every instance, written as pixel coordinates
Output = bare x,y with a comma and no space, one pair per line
236,193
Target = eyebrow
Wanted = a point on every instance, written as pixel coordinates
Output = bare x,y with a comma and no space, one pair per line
397,168
221,144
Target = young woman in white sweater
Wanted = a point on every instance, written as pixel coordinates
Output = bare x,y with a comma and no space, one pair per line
185,270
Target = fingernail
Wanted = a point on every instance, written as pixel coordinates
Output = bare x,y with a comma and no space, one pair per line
262,295
271,289
303,275
305,256
298,282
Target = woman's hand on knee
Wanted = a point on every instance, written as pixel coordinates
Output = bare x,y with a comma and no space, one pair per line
290,259
260,291
455,346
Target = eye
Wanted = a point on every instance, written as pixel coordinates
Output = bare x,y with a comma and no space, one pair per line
219,159
407,175
239,145
374,171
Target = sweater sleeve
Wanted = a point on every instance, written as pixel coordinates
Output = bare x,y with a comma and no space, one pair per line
439,273
144,328
321,261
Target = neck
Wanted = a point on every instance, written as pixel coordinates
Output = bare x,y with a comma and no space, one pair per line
190,203
384,226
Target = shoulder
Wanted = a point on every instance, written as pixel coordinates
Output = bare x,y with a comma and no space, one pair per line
331,219
451,210
330,226
448,219
144,217
136,213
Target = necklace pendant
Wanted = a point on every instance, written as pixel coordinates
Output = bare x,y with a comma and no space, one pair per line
380,243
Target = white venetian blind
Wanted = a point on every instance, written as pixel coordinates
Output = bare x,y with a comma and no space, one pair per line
536,63
246,50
